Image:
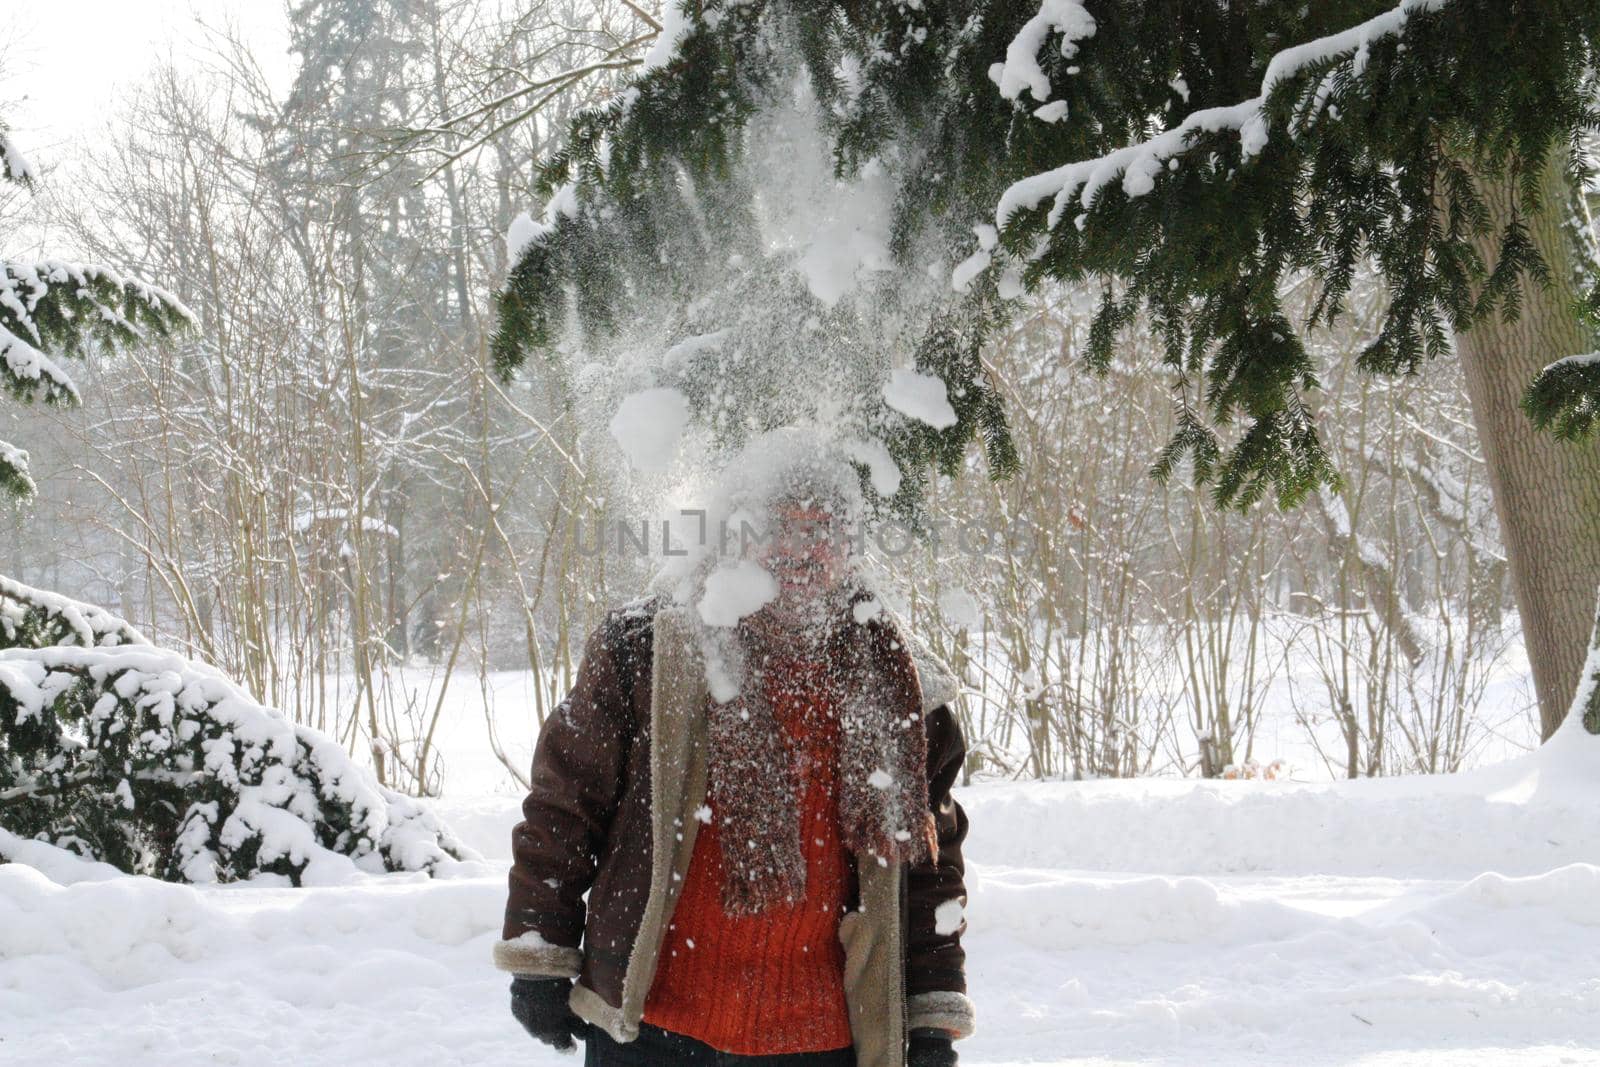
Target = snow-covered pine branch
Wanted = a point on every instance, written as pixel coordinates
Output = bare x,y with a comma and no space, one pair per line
1021,69
15,480
14,166
56,305
1360,142
1138,165
32,375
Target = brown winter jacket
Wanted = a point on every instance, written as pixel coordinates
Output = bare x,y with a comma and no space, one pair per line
618,774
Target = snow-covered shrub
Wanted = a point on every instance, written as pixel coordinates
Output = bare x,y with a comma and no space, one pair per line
142,759
36,618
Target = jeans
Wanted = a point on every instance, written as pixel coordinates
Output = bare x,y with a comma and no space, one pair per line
655,1047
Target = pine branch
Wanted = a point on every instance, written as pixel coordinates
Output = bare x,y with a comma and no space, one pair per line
15,481
14,166
1565,398
63,306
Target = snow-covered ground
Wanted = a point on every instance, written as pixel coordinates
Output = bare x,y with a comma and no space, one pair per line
1400,921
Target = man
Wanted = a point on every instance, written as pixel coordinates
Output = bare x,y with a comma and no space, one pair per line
772,879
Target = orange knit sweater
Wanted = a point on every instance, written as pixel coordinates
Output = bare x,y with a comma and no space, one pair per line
773,983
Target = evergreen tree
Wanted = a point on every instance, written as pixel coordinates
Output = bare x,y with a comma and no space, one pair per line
51,308
1188,159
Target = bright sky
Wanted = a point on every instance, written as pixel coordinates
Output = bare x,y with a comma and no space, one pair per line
63,62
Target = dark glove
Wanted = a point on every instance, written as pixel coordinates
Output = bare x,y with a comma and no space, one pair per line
540,1005
931,1048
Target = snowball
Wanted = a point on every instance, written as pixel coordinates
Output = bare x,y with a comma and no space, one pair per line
734,592
1052,112
647,426
920,396
948,917
880,779
1253,135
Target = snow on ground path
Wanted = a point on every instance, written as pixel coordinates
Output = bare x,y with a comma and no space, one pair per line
1420,921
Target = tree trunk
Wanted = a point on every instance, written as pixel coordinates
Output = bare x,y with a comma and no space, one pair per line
1546,492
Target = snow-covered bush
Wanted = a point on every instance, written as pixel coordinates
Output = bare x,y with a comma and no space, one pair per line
36,618
145,760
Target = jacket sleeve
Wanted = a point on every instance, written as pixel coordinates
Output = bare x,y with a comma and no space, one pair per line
577,781
936,896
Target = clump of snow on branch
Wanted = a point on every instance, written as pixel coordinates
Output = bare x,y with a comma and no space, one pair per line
1565,397
25,285
675,24
74,302
14,469
525,232
1052,112
1021,68
96,301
